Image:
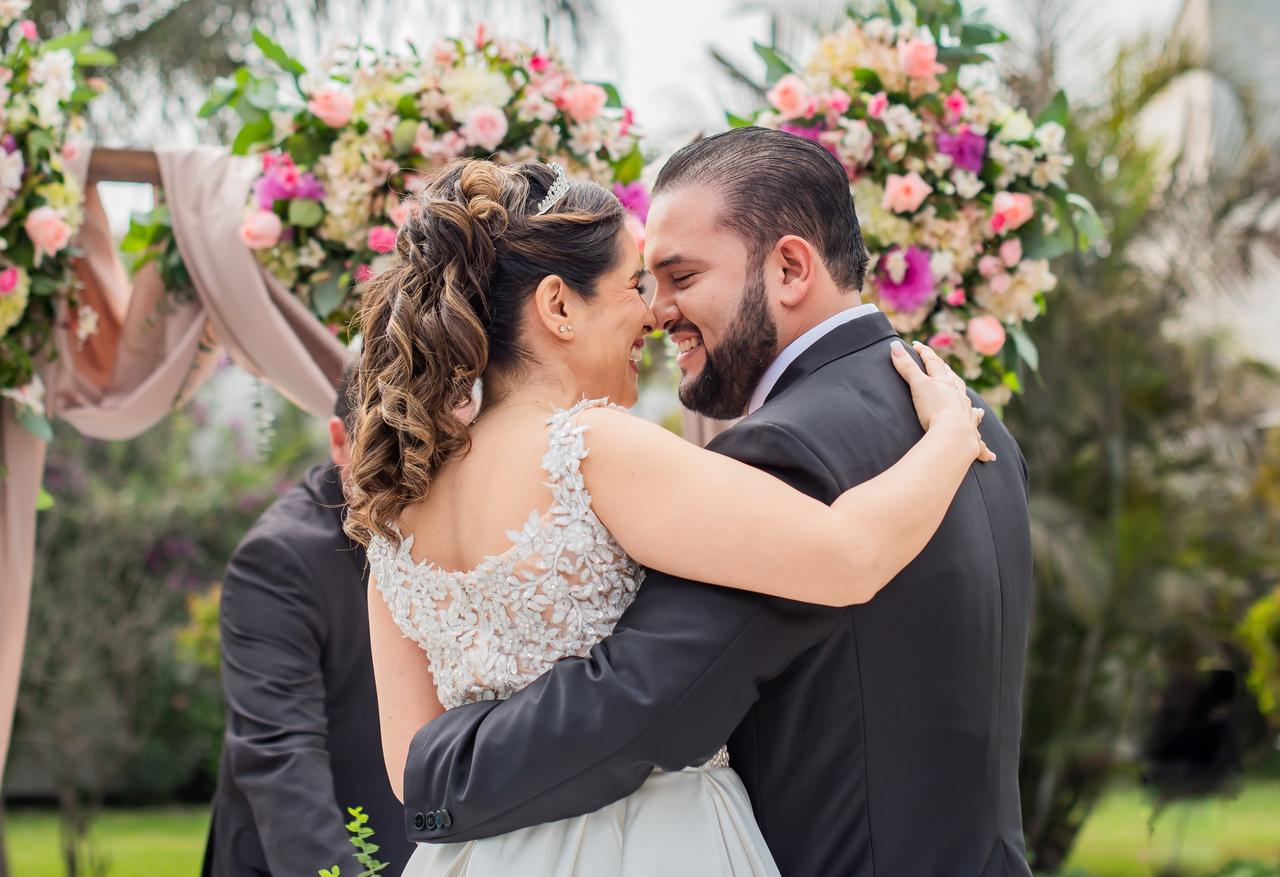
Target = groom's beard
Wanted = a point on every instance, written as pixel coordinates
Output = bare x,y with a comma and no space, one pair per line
723,388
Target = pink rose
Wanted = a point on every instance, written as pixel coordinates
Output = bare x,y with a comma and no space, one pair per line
1011,252
333,107
8,280
999,284
990,266
29,32
382,239
628,119
261,230
941,340
485,127
539,63
1010,210
878,103
790,97
584,101
47,230
838,101
956,297
70,151
919,58
364,273
956,104
905,194
985,335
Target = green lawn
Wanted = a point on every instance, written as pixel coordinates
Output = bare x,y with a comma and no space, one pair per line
1115,842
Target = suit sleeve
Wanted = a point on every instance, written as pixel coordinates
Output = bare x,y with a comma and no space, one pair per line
665,689
277,729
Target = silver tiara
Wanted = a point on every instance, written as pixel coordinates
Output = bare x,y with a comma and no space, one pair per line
559,187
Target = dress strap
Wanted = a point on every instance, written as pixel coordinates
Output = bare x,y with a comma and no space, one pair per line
566,449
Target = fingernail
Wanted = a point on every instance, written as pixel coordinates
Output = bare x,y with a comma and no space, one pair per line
897,348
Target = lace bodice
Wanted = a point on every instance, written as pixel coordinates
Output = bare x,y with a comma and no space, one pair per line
557,591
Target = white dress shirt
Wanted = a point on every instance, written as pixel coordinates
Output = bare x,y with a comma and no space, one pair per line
792,351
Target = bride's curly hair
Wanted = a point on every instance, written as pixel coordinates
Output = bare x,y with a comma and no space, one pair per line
449,308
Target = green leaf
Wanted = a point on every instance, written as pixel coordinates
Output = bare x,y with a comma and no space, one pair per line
73,42
1026,347
35,423
956,56
1056,110
92,56
305,213
615,99
1086,222
325,296
629,167
223,91
276,53
738,121
981,34
776,66
407,107
406,132
256,131
44,500
868,79
894,14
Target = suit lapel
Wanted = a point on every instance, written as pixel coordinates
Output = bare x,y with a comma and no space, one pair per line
841,341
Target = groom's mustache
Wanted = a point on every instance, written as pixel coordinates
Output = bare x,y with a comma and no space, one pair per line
684,327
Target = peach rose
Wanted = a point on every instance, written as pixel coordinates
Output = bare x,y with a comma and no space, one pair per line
584,101
399,212
990,266
1010,210
261,230
333,107
485,127
790,96
47,230
919,58
985,335
636,227
905,194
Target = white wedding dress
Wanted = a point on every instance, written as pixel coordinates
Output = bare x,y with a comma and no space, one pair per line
487,633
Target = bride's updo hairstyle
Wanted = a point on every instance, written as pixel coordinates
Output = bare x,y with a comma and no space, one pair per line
450,309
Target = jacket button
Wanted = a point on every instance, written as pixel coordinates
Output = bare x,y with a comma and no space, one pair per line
445,819
432,822
419,821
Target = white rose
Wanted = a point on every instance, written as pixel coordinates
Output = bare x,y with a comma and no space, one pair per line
942,263
967,184
1017,125
471,87
1052,137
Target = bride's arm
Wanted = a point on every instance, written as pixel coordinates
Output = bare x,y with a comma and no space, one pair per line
699,515
407,697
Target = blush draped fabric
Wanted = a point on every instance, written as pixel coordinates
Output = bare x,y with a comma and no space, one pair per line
149,355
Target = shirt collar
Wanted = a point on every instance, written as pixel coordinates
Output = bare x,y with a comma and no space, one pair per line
792,351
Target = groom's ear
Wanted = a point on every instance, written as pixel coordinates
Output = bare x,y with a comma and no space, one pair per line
796,265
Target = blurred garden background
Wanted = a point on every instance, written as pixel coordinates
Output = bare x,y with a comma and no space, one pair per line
1152,427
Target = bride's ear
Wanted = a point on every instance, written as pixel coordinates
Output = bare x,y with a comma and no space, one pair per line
552,304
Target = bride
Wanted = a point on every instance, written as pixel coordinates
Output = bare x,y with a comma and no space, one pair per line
502,545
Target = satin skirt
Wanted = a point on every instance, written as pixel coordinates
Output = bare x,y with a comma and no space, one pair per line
691,823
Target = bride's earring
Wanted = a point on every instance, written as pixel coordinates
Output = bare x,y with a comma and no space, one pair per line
566,328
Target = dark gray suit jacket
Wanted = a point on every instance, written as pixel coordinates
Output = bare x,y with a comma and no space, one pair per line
875,740
302,741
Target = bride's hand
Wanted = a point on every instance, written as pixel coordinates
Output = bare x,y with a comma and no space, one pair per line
941,398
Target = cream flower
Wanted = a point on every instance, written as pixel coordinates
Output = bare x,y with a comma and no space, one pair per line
471,87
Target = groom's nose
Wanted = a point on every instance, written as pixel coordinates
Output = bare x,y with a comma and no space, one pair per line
664,307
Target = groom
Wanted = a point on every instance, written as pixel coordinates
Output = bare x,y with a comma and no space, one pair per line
879,739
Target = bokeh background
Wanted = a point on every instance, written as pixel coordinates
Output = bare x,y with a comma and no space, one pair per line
1153,434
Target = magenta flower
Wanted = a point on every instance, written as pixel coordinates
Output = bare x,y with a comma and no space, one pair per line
904,278
635,198
967,150
10,144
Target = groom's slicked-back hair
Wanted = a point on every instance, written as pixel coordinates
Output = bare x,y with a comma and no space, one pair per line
774,184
